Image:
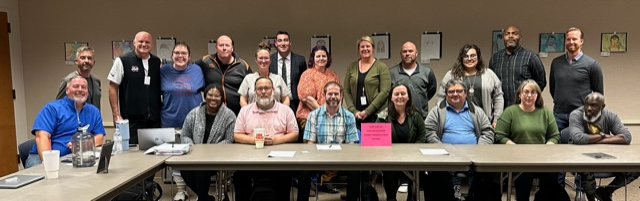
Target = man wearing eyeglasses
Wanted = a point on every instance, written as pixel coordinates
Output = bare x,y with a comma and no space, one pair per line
225,69
458,121
289,65
280,127
514,64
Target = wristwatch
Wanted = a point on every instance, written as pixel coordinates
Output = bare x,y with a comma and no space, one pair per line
601,135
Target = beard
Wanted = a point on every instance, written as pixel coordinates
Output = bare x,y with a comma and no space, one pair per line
264,101
333,102
79,99
592,119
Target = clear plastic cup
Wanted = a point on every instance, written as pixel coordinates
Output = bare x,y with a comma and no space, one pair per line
51,162
259,135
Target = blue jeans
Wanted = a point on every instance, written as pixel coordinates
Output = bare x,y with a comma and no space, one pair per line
32,160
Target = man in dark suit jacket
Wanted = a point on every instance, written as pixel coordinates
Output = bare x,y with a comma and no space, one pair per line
294,66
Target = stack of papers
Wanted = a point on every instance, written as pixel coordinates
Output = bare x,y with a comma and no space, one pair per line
169,149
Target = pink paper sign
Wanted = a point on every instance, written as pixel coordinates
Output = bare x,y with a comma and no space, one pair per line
376,134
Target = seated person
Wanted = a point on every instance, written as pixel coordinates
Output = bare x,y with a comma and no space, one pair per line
529,122
210,123
60,119
281,127
330,124
458,121
593,124
407,126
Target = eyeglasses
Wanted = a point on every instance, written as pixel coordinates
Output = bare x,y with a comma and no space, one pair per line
455,91
470,57
180,53
529,93
263,58
263,89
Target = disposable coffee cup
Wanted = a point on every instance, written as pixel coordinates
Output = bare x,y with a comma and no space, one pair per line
259,134
51,162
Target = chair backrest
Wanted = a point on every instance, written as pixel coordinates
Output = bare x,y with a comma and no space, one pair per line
23,150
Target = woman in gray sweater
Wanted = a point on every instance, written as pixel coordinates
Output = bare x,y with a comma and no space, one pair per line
210,123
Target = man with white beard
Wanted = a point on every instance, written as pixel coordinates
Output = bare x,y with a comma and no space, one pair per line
280,127
593,124
60,119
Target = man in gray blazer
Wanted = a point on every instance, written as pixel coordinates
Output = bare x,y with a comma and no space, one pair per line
288,65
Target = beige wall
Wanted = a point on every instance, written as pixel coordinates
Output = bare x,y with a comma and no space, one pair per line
46,25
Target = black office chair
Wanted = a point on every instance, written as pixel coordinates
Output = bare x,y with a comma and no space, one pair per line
23,150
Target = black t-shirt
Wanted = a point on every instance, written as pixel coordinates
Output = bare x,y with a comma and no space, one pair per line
360,91
207,128
403,131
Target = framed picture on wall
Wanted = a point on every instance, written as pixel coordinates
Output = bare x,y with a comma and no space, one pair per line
211,47
119,48
321,41
70,49
164,47
271,40
497,41
382,46
551,42
430,46
613,42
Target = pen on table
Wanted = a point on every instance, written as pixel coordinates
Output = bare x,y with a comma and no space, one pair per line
330,145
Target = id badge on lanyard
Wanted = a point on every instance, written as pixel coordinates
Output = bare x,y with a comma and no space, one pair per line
363,98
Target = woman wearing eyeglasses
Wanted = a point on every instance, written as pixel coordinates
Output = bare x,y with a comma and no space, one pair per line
529,122
247,93
485,88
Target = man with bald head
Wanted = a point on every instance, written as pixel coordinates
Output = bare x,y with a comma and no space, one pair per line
134,88
593,124
419,78
226,69
60,119
514,64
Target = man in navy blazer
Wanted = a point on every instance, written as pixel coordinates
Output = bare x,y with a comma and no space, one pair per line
294,65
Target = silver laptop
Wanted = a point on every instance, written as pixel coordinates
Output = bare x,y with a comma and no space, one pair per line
17,181
149,137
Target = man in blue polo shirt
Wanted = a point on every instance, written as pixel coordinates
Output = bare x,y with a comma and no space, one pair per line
60,119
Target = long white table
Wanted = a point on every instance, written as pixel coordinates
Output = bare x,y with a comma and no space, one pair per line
125,170
307,157
401,157
551,158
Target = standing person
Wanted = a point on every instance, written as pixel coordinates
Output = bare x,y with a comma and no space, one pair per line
368,82
281,92
485,89
573,76
225,69
280,127
407,126
420,79
292,64
514,64
528,122
210,123
593,124
134,88
180,83
312,82
85,62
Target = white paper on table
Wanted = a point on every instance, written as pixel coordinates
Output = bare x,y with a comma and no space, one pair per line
434,152
282,154
328,147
